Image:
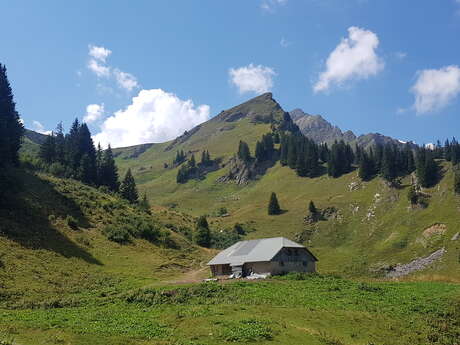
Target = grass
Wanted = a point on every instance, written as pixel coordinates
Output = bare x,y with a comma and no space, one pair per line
373,228
317,310
53,242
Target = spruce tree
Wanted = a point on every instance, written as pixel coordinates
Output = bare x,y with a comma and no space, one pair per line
365,167
144,204
312,208
202,232
457,181
60,144
128,189
11,128
47,151
243,151
273,205
109,171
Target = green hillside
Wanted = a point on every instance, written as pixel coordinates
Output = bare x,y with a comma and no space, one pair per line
349,242
53,248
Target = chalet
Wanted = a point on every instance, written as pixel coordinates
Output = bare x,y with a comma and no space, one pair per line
276,255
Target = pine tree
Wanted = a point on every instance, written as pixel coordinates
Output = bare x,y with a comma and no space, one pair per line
312,208
109,171
11,128
457,181
182,174
243,151
87,151
202,232
273,205
284,150
47,151
388,166
292,152
144,204
128,189
60,144
99,164
365,170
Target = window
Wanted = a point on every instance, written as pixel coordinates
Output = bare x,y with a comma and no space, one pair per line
304,263
289,252
281,263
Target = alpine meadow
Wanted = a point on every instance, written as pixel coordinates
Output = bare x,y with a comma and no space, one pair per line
134,211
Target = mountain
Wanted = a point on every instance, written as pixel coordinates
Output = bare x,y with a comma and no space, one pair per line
32,141
320,130
371,222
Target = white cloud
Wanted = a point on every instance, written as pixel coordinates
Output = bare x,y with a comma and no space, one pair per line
354,58
125,80
435,88
153,116
258,79
93,112
97,63
270,5
38,127
99,53
99,69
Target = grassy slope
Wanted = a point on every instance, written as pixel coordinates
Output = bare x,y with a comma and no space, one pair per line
350,244
43,259
319,310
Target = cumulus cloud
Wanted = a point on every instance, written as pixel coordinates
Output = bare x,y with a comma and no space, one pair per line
271,5
125,80
93,112
99,53
97,63
153,116
39,128
251,78
435,88
354,58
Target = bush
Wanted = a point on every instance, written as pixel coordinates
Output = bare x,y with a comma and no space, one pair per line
116,233
57,169
71,222
247,330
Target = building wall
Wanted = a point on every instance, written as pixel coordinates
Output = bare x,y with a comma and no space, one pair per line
287,260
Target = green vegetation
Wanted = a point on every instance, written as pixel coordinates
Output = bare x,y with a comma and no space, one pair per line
293,309
273,205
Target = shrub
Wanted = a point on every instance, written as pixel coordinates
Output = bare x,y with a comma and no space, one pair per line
57,169
247,330
116,233
71,222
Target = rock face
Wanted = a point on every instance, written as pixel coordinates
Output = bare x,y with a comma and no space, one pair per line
415,265
320,130
317,128
241,172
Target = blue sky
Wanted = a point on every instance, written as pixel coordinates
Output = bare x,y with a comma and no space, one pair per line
145,71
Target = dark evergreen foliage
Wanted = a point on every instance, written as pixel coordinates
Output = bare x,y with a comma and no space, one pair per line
144,204
128,189
426,167
312,208
265,148
273,205
11,128
243,151
412,195
202,232
340,159
180,157
457,180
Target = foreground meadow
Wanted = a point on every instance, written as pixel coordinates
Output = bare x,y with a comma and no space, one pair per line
295,309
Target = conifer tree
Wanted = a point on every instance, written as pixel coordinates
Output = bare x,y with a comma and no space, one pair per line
11,128
457,181
128,189
273,205
312,208
202,232
60,144
365,170
243,151
47,151
144,204
109,171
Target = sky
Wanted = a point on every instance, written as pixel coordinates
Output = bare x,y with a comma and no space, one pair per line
146,71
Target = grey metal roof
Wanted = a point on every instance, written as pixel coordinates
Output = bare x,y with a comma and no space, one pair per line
263,249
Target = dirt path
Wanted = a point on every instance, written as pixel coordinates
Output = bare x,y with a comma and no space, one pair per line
194,276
